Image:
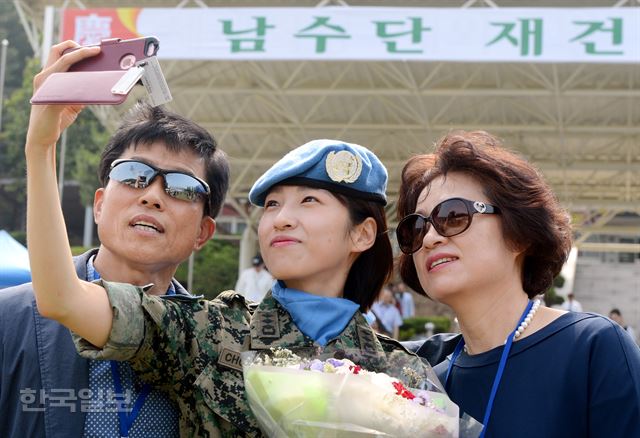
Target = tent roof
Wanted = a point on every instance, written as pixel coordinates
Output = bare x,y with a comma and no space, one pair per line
579,123
14,261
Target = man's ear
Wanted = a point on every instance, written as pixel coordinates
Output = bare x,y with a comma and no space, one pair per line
364,235
207,229
97,204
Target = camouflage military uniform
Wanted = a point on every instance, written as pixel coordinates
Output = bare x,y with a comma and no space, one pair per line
190,348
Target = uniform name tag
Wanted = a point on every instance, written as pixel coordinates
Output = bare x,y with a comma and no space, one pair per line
267,324
230,359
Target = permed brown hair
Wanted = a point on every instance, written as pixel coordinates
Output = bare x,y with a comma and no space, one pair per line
532,219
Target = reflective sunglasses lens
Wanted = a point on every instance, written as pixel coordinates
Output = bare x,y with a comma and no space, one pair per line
184,187
133,174
451,217
410,233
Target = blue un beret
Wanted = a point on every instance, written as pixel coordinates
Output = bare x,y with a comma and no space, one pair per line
333,165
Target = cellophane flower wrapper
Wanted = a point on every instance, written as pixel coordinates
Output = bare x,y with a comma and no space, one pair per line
321,396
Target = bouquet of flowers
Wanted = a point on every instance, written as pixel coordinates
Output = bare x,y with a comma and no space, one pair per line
296,397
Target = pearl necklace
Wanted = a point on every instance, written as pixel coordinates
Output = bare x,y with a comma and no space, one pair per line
527,320
523,326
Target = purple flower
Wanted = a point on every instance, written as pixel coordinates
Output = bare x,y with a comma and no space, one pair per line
335,362
316,365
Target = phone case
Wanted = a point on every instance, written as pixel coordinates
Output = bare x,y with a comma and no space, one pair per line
117,54
87,88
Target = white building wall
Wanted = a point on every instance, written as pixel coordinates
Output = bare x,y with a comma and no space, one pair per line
602,285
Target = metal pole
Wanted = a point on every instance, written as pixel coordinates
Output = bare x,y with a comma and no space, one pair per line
190,273
47,33
47,42
247,248
3,64
87,236
63,153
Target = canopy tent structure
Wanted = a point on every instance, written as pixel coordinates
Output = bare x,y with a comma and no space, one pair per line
14,262
578,122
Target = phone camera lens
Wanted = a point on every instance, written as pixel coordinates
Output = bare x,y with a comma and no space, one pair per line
127,62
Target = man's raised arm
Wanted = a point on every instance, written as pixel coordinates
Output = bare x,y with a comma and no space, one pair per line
82,307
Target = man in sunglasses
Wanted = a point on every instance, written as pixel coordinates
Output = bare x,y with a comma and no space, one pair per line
163,182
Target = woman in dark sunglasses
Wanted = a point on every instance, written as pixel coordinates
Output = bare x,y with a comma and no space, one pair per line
322,235
482,232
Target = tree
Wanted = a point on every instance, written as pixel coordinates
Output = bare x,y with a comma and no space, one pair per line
550,296
19,50
12,138
85,141
15,112
215,269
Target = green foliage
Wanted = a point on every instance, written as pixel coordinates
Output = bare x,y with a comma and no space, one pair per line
550,296
85,141
15,118
412,327
78,250
18,50
215,268
20,236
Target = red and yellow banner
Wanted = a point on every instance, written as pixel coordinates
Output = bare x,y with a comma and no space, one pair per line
89,26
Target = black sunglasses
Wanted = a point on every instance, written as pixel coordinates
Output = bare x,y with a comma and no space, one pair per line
449,218
179,185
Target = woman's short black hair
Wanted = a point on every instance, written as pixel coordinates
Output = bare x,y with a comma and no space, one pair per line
373,267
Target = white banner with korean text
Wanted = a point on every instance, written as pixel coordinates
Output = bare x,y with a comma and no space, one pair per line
591,35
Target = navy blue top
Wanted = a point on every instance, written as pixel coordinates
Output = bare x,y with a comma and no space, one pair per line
158,416
577,377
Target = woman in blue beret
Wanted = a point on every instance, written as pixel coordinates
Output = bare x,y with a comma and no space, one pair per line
323,237
482,232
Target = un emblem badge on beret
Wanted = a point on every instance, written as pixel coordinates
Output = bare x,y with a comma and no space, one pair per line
343,166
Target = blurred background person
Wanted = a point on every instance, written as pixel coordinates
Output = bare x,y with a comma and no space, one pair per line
387,314
615,315
254,282
404,299
571,304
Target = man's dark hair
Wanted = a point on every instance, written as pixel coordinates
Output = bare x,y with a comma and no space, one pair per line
144,125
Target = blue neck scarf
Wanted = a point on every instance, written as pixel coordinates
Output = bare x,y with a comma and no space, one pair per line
320,318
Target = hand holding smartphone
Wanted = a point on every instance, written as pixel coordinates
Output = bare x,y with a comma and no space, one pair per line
117,54
92,81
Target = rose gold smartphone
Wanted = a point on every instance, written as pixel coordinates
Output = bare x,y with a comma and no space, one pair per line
80,87
117,54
